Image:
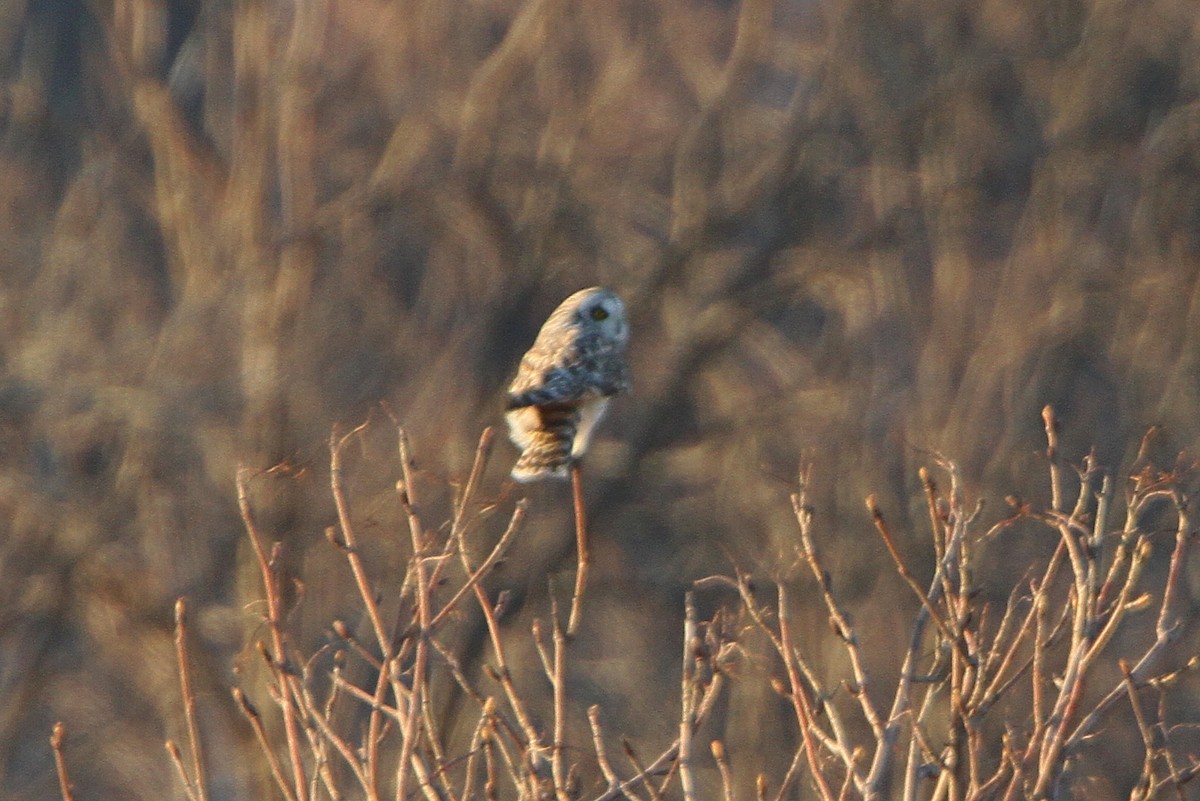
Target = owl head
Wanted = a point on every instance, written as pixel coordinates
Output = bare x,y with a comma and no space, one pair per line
599,310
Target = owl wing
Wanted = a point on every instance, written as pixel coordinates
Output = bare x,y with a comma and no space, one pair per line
558,385
554,371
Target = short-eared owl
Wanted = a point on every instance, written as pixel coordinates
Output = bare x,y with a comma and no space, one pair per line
565,381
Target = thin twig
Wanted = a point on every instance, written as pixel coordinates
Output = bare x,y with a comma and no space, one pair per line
177,760
260,733
902,569
838,618
461,521
489,761
189,700
1056,488
1146,780
532,743
581,547
371,701
1167,629
267,567
790,777
631,755
669,757
718,752
468,786
343,631
878,776
601,755
687,696
493,556
420,661
344,748
795,691
986,690
65,788
337,444
558,682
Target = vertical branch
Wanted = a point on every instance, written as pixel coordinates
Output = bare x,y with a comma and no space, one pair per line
1056,488
1095,545
189,700
1169,621
267,567
794,690
353,555
1170,615
65,788
1128,535
718,752
557,675
322,728
1082,567
840,622
879,775
532,745
687,698
366,594
1040,602
798,696
374,726
468,785
420,660
581,545
489,760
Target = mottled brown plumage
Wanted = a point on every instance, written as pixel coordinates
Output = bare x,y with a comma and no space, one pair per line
563,385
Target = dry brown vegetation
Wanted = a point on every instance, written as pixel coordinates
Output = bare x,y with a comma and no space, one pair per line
1003,701
845,231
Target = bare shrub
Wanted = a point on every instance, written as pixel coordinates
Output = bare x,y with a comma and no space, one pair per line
985,702
840,226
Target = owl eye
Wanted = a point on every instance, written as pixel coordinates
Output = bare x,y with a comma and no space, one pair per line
599,313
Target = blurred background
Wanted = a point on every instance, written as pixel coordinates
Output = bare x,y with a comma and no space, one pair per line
847,232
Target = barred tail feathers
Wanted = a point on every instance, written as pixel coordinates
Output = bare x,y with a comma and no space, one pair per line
547,453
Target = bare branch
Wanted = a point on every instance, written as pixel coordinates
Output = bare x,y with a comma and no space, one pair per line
200,778
581,546
65,787
687,720
278,638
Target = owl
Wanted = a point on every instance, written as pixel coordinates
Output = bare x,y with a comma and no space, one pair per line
564,383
